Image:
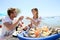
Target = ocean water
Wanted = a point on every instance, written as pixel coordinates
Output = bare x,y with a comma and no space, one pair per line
2,15
48,21
51,21
0,22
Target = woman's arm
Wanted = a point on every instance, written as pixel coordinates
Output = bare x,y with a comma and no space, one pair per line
35,23
38,21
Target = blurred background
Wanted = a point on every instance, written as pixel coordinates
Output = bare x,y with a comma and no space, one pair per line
48,9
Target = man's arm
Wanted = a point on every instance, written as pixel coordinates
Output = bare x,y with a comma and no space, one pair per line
12,26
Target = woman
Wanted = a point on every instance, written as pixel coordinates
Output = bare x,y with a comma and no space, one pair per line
35,21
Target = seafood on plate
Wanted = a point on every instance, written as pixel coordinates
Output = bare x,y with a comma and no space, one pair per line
34,32
46,31
41,32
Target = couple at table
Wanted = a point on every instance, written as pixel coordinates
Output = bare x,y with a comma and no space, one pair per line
8,26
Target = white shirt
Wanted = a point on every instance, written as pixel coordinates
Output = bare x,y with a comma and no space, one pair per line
36,20
4,29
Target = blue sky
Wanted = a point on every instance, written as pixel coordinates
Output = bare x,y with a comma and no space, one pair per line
46,7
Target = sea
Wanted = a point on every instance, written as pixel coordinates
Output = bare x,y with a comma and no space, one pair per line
53,21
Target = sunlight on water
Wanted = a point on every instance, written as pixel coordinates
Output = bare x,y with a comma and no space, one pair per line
49,21
26,22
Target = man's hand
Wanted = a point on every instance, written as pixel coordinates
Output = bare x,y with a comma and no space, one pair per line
21,18
25,28
30,25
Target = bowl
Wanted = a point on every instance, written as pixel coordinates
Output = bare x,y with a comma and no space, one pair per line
51,37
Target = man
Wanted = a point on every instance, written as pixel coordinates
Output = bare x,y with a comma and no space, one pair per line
8,26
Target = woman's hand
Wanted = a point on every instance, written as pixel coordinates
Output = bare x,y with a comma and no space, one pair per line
29,18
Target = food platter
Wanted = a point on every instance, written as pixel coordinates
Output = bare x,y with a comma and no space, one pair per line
39,33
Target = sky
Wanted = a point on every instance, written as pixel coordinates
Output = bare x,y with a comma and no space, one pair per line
47,8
